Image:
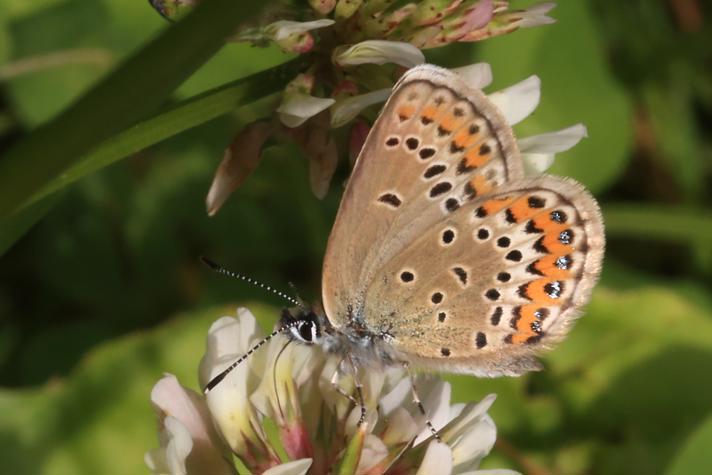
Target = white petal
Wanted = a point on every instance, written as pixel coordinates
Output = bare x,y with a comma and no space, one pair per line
380,52
283,29
438,459
185,410
537,163
475,443
297,467
401,427
553,142
518,101
228,338
477,75
396,398
348,108
437,406
537,15
173,400
538,150
297,108
176,445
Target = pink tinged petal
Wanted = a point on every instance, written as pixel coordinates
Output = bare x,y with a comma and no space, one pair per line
379,52
301,43
478,75
438,459
173,401
296,467
322,6
359,132
518,101
538,151
474,18
296,441
297,108
345,110
374,453
240,159
176,446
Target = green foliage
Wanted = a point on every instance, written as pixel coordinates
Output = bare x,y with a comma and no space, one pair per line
576,87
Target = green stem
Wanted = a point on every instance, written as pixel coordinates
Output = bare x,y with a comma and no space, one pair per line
136,89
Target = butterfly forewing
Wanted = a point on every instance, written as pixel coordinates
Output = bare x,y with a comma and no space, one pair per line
437,145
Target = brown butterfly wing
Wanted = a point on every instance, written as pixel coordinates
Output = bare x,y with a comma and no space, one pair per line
493,282
436,145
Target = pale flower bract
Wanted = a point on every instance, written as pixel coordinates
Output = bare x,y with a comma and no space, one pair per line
290,387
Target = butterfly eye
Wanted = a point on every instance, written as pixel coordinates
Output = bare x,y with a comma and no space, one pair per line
306,331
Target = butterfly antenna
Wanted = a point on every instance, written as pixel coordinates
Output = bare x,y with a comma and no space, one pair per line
218,378
235,275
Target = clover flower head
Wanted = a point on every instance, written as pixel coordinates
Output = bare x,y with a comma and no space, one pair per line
289,410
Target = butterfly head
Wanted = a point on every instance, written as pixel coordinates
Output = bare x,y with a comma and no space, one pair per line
305,324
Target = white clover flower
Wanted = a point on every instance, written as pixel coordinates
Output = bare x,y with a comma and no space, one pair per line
293,388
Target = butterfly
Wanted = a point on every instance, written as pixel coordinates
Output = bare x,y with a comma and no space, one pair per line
443,255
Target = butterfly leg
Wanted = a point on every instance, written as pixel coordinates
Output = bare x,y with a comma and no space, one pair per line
335,385
359,392
421,408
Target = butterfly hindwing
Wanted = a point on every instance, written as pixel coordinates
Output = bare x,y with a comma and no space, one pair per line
500,278
437,145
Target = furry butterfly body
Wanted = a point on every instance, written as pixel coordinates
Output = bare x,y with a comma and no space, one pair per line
443,255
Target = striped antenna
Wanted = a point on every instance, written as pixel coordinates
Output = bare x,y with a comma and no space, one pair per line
235,275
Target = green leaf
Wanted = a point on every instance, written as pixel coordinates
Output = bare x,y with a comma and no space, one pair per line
577,86
695,456
183,116
117,102
13,227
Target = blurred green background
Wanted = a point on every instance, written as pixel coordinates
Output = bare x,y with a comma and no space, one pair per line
105,293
